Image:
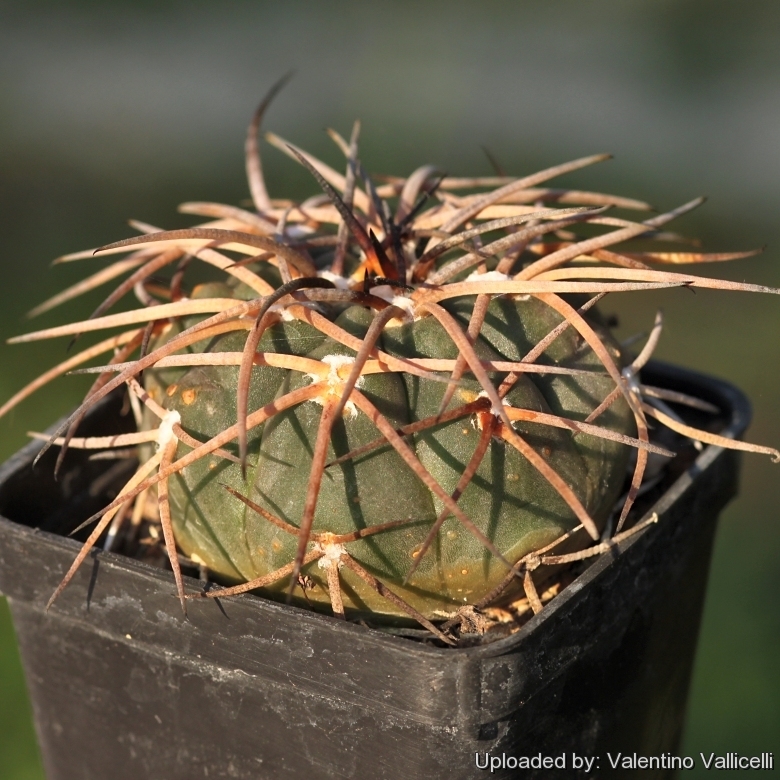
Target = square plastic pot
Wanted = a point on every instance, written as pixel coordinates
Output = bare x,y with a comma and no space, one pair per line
124,687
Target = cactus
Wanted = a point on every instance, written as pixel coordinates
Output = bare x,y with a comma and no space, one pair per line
399,399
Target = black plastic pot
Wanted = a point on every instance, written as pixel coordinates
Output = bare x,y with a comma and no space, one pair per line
124,687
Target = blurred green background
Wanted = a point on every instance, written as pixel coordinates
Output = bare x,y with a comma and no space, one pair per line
114,110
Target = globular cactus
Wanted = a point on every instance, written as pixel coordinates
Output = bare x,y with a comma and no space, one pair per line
399,400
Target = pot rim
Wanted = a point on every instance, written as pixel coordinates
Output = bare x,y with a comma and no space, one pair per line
732,401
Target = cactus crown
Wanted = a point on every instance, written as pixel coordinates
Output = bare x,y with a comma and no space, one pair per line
399,397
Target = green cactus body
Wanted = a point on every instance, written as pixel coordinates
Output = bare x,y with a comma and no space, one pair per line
508,499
